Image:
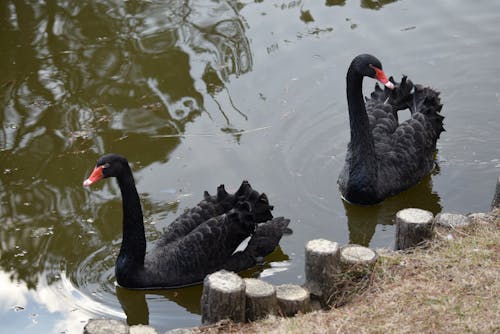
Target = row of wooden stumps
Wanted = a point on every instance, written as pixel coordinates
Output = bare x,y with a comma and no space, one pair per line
328,268
332,273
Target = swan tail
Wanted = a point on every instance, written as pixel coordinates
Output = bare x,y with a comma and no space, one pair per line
267,237
262,243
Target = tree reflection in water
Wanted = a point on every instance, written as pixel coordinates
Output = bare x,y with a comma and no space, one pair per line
81,78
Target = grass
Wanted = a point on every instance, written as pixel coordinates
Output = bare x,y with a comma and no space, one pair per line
450,285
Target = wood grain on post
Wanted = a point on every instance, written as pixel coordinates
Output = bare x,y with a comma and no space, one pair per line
413,226
105,326
320,268
356,259
292,299
223,297
354,265
261,299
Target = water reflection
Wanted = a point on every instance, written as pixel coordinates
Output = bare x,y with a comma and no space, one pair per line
101,76
335,2
369,4
81,78
363,220
28,307
133,67
375,4
135,302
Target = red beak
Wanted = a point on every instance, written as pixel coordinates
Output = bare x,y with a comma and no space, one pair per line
380,76
94,177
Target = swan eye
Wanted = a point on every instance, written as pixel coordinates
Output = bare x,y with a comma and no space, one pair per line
106,165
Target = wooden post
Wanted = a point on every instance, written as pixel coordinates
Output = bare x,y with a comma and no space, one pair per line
356,260
452,220
223,297
496,198
261,299
320,268
413,226
105,326
354,265
292,299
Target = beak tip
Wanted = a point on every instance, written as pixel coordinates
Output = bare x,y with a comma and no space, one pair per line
87,183
389,85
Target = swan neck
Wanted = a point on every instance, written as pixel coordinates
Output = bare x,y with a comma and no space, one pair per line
361,138
133,248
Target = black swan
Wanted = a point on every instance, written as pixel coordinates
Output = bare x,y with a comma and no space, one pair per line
200,241
383,156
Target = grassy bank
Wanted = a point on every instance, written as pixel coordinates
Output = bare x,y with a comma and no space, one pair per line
449,286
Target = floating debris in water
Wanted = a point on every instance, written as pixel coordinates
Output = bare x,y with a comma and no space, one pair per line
409,28
18,308
237,132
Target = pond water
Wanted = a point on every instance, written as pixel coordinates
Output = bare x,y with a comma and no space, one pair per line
199,93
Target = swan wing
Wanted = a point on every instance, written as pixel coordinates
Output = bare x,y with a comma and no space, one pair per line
201,251
212,206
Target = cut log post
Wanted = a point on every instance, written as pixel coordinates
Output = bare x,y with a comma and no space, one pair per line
261,299
141,329
223,297
293,299
105,326
452,220
496,198
320,268
354,266
413,226
356,260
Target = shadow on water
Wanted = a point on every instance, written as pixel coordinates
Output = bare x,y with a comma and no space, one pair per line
134,302
362,221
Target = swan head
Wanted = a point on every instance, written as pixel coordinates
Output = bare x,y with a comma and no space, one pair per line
109,165
369,66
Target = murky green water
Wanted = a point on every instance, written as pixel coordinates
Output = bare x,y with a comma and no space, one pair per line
198,93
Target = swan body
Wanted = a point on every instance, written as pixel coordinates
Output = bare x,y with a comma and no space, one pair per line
385,157
200,241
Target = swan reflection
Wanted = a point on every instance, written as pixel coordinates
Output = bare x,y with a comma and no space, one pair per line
362,221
